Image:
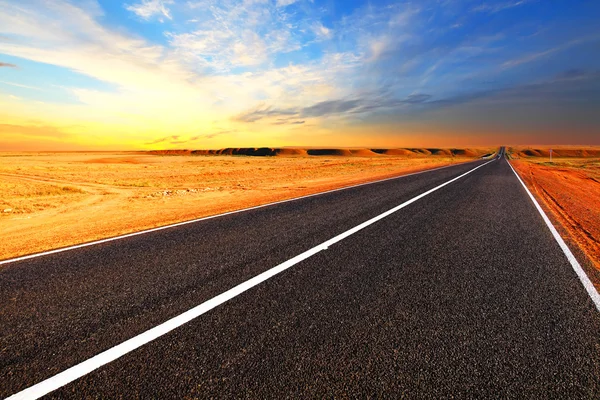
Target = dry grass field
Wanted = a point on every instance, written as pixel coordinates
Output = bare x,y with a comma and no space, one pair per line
568,186
52,200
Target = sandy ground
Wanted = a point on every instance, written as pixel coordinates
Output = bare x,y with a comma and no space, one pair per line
52,200
569,187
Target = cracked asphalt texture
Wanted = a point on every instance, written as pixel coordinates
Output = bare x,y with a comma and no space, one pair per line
464,293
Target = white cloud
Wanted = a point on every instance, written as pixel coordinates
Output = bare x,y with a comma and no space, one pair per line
147,9
404,17
250,51
321,31
63,34
378,47
233,33
497,7
225,57
20,85
285,3
527,58
158,88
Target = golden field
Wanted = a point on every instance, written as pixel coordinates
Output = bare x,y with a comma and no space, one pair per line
52,200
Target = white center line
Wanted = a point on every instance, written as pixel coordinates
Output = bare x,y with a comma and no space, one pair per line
40,389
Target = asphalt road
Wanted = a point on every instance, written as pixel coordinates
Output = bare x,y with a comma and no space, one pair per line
463,293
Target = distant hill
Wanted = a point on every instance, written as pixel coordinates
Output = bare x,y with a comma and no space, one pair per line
342,152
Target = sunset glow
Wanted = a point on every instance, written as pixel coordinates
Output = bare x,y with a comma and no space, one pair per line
153,74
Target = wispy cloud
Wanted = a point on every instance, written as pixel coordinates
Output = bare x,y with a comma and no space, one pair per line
527,58
572,95
330,107
179,139
148,9
228,34
8,65
212,135
231,34
262,112
492,7
321,31
63,34
164,139
288,121
369,103
285,3
530,57
19,85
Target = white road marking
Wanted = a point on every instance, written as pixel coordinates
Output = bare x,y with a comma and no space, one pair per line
40,389
585,280
160,228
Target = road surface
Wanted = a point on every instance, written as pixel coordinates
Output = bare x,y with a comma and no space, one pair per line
461,292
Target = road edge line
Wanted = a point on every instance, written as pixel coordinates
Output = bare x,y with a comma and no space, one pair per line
583,278
85,367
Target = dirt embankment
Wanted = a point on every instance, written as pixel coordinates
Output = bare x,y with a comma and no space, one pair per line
569,187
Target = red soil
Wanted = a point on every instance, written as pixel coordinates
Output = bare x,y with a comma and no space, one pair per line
572,193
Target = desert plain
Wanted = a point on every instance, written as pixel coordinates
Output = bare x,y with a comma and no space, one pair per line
53,200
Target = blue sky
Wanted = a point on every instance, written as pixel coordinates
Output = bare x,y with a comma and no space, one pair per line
133,74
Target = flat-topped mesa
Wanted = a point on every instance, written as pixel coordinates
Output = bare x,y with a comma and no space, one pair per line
328,152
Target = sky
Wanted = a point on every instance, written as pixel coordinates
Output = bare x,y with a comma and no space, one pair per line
208,74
